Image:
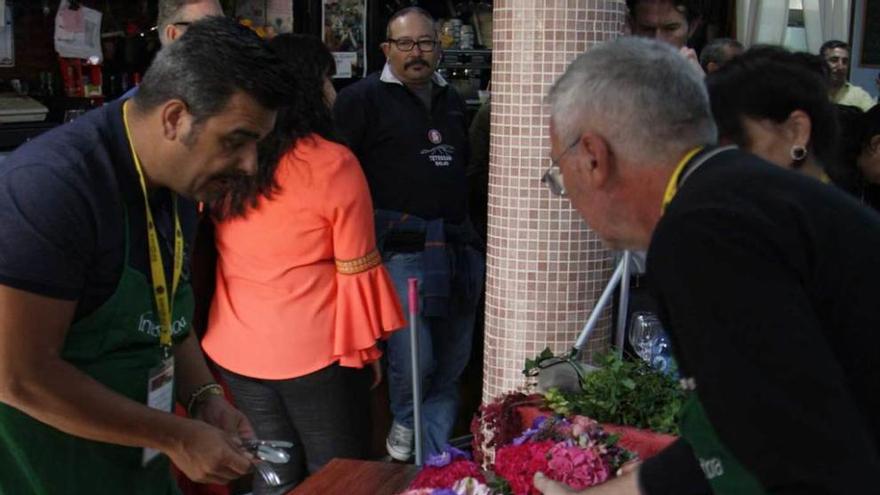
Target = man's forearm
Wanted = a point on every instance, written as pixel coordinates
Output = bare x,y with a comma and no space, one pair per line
64,397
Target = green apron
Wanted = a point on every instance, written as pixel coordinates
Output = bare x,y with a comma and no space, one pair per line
723,471
116,345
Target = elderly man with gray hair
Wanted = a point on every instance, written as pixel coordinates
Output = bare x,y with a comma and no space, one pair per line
765,279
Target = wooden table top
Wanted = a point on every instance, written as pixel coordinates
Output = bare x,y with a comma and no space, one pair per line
351,477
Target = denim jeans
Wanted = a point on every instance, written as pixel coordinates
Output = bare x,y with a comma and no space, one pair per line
444,345
325,414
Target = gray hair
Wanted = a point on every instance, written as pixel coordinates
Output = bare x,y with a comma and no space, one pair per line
646,99
716,51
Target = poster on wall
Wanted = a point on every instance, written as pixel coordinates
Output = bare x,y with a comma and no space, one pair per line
345,27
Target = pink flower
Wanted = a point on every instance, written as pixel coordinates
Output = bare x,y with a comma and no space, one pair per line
577,467
581,425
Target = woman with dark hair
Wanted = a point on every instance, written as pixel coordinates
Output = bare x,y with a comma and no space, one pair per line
774,103
302,296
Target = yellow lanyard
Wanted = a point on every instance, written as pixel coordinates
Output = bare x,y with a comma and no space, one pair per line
672,185
157,270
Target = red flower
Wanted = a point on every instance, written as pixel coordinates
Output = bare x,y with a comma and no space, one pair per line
519,463
446,476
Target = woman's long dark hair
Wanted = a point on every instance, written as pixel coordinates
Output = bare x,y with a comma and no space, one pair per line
307,113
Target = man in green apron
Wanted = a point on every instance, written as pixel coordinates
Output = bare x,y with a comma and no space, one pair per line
95,300
765,279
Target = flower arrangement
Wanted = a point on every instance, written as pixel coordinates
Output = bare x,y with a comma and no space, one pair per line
576,451
518,435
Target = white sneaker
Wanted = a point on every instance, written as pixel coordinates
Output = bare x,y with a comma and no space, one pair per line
399,442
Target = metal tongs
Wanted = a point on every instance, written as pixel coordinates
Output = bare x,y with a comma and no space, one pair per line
268,451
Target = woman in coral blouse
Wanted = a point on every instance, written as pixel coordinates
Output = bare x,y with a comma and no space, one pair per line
302,297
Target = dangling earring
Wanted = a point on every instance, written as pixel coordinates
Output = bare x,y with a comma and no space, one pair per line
798,153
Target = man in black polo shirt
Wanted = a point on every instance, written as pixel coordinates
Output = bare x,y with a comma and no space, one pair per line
765,279
407,127
95,300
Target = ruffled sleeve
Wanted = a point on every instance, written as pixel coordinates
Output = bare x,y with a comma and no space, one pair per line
367,306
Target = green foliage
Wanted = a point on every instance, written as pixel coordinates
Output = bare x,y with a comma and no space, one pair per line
499,485
623,392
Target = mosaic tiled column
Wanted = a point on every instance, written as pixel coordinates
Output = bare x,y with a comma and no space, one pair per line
545,268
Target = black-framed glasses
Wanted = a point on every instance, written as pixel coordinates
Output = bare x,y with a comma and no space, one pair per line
181,23
406,44
552,177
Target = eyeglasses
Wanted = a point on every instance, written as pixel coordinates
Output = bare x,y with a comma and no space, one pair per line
181,23
406,44
552,178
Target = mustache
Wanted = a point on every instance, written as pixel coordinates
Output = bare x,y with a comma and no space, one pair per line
414,62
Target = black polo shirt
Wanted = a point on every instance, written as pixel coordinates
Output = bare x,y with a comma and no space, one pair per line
63,202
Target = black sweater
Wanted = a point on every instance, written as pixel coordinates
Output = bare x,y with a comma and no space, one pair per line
414,158
767,281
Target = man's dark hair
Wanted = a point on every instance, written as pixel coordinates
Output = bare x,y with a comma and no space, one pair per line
305,113
770,83
214,59
690,7
405,12
716,51
831,45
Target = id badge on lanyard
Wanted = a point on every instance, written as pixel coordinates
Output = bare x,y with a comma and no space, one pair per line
160,394
160,379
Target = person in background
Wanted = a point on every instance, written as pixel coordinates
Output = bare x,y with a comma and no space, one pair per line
95,298
718,52
301,297
175,16
670,21
774,104
764,279
408,128
859,163
173,19
836,55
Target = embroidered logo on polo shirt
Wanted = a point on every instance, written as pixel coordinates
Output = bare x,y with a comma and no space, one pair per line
441,155
147,324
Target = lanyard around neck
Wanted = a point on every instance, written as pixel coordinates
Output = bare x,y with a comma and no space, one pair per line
672,185
161,295
685,168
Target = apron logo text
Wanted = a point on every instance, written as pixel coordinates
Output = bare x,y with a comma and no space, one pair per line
148,325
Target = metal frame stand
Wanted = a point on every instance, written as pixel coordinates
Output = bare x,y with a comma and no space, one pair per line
413,296
620,277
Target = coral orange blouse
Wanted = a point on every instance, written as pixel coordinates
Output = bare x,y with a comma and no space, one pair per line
300,284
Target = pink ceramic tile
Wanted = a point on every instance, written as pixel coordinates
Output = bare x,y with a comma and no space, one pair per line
545,269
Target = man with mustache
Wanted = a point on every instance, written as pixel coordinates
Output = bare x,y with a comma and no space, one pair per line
95,298
408,128
836,55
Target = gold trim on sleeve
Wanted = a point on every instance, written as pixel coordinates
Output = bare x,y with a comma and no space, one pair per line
359,265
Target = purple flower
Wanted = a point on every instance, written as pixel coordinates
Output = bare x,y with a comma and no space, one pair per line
444,491
445,457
